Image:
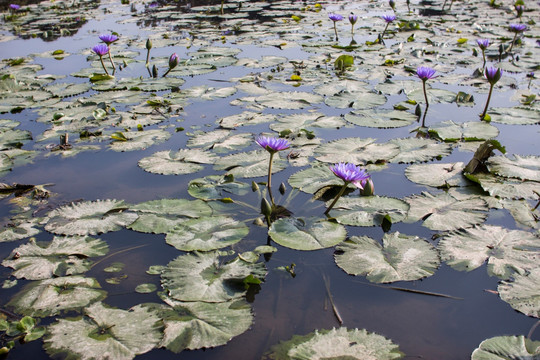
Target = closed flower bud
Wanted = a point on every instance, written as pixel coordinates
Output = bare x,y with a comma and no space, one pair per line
266,208
148,44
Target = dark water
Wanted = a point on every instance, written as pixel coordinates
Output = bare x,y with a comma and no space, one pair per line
425,327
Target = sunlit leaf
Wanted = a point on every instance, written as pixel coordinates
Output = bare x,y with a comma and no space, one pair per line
306,233
507,347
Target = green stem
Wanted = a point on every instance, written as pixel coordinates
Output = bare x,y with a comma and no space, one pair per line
384,32
425,93
484,57
513,41
111,60
167,72
352,29
487,103
148,58
102,64
335,30
269,183
337,197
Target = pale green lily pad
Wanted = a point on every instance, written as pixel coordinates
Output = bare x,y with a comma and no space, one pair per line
381,118
155,269
288,100
444,212
507,348
11,138
90,217
523,293
297,122
521,167
470,131
245,118
156,223
400,258
249,164
19,232
68,89
184,161
369,210
62,256
355,151
419,150
105,333
355,100
523,213
115,267
341,343
52,296
146,288
139,140
206,233
437,174
207,277
215,187
5,164
507,252
434,95
176,207
507,188
221,140
307,233
197,325
315,178
515,116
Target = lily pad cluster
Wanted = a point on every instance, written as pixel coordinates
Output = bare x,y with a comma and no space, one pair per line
314,106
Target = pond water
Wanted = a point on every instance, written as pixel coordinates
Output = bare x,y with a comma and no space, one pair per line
268,68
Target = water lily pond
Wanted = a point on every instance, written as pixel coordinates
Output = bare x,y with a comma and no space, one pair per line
270,180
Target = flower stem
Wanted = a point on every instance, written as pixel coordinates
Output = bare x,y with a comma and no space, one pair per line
269,182
148,58
167,72
102,64
487,102
484,57
111,60
335,30
513,41
425,94
337,197
384,32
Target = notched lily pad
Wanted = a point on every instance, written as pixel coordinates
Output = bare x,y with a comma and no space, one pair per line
306,233
523,293
369,210
507,347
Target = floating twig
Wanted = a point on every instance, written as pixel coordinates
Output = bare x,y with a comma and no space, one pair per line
334,308
421,292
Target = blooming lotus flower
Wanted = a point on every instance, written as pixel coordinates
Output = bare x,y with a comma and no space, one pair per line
492,75
14,7
350,174
108,38
389,17
101,49
272,145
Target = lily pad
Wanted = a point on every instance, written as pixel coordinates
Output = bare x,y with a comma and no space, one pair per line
341,343
521,167
315,178
381,118
437,175
507,188
369,210
419,150
356,151
184,161
400,258
306,233
515,116
470,131
62,256
90,217
523,293
207,277
139,140
507,347
249,164
207,233
52,296
214,187
507,252
105,333
444,212
146,288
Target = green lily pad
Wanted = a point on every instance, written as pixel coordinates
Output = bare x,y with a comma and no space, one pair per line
206,277
341,343
296,122
146,288
214,187
315,178
176,207
184,161
206,233
115,267
245,118
523,293
507,347
306,233
419,150
105,333
249,164
52,296
437,175
444,212
521,167
470,131
400,258
356,151
19,232
507,188
381,118
369,210
507,252
62,256
139,140
515,116
434,95
90,217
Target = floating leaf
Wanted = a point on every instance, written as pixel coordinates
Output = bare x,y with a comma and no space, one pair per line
62,256
507,347
52,296
444,212
105,333
306,233
508,188
315,178
381,118
206,277
356,151
515,116
139,140
184,161
400,258
437,175
214,187
90,217
507,252
21,231
523,293
521,167
176,207
145,288
369,210
470,131
207,233
341,343
115,267
249,164
419,150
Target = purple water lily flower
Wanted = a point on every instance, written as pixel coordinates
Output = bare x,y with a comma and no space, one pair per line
483,44
519,10
108,38
389,18
350,174
271,144
14,6
173,62
492,75
517,28
425,73
101,49
353,19
335,17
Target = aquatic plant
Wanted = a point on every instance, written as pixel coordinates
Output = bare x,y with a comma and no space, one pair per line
425,73
492,75
389,18
335,18
272,145
100,50
109,39
14,7
392,4
148,48
519,10
516,29
173,62
353,19
350,174
483,44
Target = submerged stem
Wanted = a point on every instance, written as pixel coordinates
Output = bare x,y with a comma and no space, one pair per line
487,102
337,197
